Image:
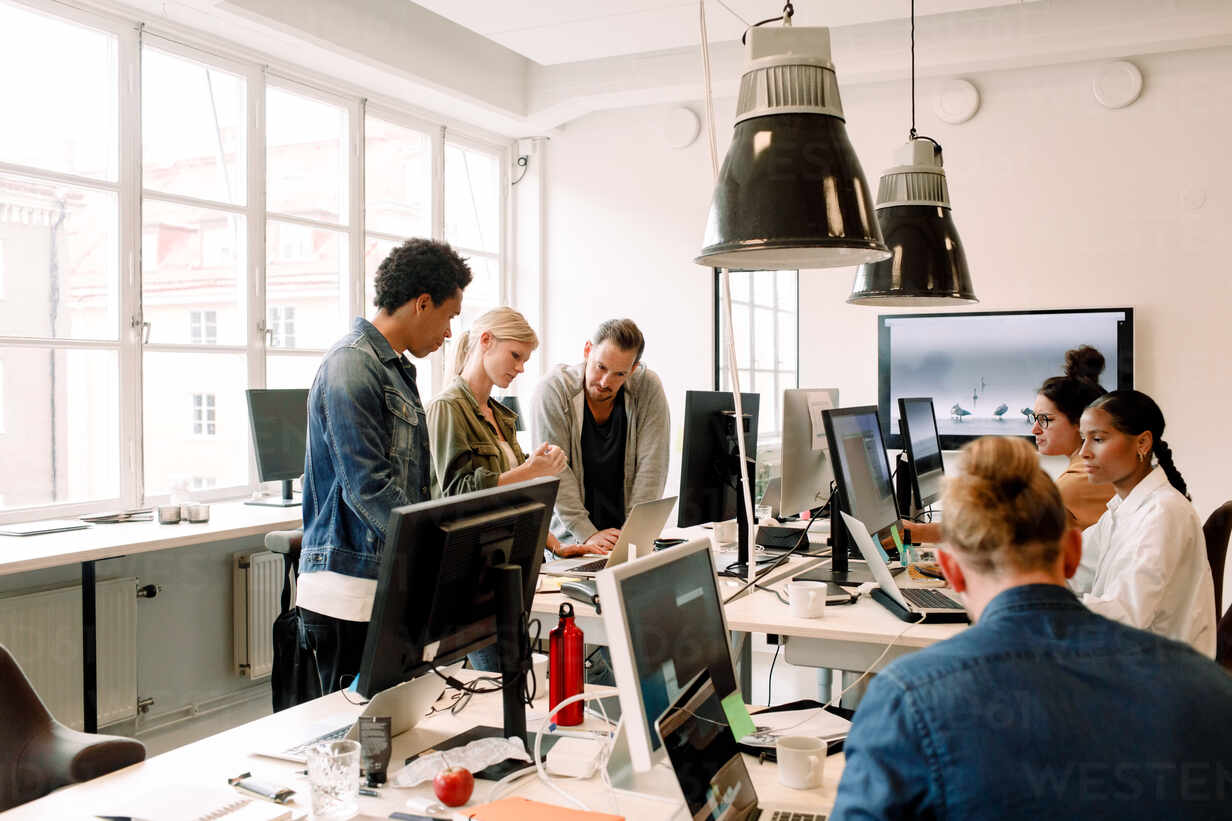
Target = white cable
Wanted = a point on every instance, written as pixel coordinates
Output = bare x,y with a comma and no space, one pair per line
603,756
871,667
725,276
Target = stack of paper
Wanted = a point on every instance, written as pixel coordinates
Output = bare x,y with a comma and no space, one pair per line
814,722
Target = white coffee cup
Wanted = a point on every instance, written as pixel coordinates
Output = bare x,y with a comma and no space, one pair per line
726,533
802,760
807,599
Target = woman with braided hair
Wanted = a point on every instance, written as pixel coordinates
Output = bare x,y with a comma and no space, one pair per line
1144,562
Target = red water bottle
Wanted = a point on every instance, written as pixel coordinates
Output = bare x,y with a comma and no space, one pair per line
565,658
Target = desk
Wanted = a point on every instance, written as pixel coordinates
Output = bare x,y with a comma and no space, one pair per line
228,520
213,759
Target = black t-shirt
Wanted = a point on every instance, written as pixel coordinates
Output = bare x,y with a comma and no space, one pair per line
603,464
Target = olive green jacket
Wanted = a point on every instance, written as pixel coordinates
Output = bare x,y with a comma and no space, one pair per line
465,449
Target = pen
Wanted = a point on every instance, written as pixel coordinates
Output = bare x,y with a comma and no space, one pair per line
368,792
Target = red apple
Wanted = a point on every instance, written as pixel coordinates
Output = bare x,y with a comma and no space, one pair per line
453,786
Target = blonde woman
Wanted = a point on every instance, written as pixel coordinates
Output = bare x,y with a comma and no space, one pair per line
472,435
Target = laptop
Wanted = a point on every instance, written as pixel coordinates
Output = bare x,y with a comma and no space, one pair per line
643,526
405,705
918,602
772,496
39,528
707,761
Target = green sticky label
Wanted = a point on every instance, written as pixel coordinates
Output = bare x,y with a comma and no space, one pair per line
898,541
738,716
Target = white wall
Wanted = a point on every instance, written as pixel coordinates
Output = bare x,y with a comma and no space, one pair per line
1060,203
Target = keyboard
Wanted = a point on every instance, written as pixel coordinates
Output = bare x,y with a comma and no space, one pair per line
930,599
301,750
787,815
589,567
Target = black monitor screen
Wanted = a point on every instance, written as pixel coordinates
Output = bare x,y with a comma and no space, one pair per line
279,423
676,630
923,447
709,464
862,471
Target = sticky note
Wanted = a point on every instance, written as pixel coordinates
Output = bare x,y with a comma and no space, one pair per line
898,540
738,716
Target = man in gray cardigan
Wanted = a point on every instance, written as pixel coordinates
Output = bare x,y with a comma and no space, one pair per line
610,417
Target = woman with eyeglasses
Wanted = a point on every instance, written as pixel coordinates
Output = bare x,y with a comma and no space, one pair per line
1055,416
1054,424
1144,562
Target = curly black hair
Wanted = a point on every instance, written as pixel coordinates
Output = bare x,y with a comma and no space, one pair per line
419,266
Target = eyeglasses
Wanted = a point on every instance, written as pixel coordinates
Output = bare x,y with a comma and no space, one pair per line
1041,419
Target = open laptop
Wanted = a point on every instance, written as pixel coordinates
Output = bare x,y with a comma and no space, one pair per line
707,760
643,526
405,705
916,601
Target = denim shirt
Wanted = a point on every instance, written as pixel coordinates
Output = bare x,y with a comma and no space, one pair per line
367,452
1043,709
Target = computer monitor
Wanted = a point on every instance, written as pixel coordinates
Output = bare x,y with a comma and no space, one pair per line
665,624
862,474
807,468
710,476
457,574
278,420
920,472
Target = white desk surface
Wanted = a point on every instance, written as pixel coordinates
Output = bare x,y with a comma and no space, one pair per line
228,520
212,760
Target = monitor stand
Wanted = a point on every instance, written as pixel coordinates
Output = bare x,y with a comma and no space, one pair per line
839,570
659,782
740,568
288,498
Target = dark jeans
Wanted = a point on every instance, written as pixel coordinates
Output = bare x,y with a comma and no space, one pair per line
335,645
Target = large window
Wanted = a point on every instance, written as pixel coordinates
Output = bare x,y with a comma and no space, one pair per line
179,227
766,319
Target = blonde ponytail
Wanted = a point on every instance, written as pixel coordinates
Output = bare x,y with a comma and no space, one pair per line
503,323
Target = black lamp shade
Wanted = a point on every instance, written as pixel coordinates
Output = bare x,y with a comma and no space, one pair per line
926,266
791,195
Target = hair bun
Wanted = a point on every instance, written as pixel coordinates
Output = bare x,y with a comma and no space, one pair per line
1084,363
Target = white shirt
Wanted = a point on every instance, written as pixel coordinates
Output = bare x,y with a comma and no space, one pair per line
337,595
1144,564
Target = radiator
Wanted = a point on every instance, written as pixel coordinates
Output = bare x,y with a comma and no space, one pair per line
258,601
43,632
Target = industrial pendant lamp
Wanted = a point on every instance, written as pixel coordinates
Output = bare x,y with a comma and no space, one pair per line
791,193
927,265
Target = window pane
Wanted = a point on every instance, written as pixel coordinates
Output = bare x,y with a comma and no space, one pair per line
764,339
306,157
193,128
196,420
482,294
60,84
193,261
60,440
63,240
423,373
787,341
291,371
768,419
472,199
787,288
307,274
763,287
375,251
397,179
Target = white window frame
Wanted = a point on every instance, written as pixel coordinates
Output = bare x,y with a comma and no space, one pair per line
202,426
200,322
133,28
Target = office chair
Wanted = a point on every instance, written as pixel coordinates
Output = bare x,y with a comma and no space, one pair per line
1216,531
293,677
39,754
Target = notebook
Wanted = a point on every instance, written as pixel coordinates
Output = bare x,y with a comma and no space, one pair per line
200,802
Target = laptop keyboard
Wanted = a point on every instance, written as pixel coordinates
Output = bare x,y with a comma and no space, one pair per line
930,599
301,750
784,815
590,567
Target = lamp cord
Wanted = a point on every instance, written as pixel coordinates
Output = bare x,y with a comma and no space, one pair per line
913,70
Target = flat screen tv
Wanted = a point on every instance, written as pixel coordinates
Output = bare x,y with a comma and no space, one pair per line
982,369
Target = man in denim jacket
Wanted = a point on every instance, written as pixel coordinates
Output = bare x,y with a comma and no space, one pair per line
368,449
1041,709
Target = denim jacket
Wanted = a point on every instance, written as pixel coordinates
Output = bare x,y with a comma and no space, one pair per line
367,453
1043,709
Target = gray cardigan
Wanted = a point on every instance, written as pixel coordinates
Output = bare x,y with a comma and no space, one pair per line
556,417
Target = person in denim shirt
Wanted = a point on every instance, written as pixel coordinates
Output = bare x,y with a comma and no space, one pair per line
1041,709
368,449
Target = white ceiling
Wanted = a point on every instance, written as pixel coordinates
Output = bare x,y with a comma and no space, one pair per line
551,32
